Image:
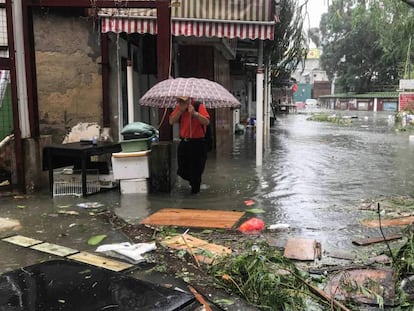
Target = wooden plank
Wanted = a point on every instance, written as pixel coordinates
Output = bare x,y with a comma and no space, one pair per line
99,261
22,241
300,249
54,249
376,240
402,221
203,251
193,218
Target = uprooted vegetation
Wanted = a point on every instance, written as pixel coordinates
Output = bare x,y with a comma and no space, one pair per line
259,273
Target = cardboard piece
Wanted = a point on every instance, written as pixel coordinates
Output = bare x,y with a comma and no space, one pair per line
193,218
301,249
203,251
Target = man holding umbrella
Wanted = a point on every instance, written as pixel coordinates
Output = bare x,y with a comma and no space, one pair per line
192,150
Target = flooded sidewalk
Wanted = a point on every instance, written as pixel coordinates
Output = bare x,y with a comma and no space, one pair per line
321,180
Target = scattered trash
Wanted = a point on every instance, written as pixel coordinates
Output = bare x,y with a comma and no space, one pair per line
95,240
90,205
131,252
249,202
5,183
278,226
252,225
74,213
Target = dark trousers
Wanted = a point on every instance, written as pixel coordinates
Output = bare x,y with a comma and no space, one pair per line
191,157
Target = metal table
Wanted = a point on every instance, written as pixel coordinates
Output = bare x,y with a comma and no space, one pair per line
56,156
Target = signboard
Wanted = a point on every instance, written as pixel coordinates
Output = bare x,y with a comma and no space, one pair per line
407,84
406,101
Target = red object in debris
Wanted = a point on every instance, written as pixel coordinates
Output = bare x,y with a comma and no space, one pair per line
249,202
252,225
294,88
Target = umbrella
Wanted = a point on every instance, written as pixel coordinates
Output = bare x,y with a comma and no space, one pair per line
212,94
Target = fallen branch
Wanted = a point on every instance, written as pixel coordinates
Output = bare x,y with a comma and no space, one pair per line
324,295
190,249
200,298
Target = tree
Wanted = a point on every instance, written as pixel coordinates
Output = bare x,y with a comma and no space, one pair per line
358,50
290,46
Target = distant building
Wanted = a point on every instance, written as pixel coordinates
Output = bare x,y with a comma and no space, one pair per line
312,80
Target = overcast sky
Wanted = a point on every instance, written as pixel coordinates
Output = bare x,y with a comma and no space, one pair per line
315,9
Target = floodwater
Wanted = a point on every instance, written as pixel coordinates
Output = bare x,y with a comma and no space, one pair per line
314,177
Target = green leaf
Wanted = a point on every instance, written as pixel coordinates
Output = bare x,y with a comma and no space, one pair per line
95,240
21,206
223,301
255,210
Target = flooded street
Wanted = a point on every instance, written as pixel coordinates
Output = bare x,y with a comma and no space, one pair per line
314,177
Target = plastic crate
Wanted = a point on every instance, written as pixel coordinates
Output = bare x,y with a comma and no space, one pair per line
133,145
65,183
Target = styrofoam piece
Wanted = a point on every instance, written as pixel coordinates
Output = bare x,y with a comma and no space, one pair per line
137,185
130,167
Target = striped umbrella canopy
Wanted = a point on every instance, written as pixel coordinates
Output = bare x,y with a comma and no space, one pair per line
212,94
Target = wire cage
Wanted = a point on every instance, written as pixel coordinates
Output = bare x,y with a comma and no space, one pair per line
69,182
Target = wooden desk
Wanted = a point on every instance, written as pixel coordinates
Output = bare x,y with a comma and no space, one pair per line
56,156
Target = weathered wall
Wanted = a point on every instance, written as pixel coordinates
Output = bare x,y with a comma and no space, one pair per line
68,72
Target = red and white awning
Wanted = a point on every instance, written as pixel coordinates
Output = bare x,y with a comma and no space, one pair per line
222,29
243,19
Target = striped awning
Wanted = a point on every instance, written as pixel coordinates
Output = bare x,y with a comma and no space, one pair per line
243,19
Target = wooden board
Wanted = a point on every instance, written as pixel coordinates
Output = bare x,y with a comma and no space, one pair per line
300,249
193,218
99,261
204,252
22,241
403,221
376,240
54,249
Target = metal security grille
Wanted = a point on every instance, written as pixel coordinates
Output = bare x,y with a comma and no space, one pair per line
6,108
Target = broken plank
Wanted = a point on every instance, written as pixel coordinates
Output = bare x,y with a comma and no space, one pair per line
369,241
54,249
100,261
193,218
22,240
202,250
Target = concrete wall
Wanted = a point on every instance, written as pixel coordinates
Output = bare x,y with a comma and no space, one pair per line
68,68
